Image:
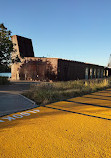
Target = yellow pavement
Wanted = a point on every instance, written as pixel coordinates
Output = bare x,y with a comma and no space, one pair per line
77,128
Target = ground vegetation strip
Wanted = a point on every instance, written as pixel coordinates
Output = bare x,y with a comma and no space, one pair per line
45,93
4,80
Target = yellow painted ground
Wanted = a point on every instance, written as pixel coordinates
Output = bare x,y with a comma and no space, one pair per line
70,130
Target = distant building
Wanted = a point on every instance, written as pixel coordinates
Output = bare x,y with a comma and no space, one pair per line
45,69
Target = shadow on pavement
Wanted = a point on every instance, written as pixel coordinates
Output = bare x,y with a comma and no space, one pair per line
106,91
43,114
97,98
14,87
88,104
79,113
109,96
32,116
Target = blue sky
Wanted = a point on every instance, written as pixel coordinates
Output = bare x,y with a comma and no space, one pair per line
71,29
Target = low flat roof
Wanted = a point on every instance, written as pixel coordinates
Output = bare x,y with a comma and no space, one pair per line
68,60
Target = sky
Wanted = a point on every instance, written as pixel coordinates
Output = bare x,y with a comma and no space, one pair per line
77,30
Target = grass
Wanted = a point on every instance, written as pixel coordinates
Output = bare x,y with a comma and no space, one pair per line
45,93
4,80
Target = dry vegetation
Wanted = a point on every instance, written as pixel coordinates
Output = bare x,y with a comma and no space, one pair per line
4,80
45,93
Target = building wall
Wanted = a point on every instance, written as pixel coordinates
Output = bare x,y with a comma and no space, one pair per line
72,70
32,68
15,71
16,47
49,68
23,47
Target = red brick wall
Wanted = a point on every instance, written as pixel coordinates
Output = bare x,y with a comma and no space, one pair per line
36,69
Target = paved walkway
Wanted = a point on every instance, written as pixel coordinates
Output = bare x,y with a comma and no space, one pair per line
75,128
10,103
11,99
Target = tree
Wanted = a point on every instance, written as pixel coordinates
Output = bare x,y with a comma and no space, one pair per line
6,47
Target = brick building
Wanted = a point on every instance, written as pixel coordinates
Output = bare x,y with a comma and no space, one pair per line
56,69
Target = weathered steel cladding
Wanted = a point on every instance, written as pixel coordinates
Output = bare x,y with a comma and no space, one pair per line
25,47
70,70
73,70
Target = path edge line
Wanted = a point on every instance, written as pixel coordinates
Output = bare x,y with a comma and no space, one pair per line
27,99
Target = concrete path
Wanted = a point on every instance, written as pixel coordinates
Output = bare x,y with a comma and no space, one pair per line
11,99
76,128
11,103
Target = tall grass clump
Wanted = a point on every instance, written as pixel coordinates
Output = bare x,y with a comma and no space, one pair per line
45,93
4,80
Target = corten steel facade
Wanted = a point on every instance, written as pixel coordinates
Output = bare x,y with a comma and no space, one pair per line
45,69
23,46
73,70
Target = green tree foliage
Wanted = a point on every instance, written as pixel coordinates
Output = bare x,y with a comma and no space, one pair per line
6,47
